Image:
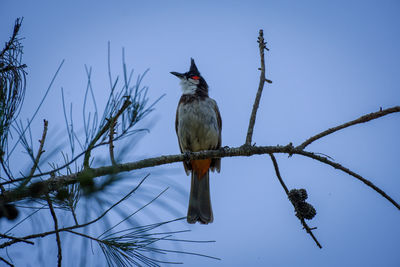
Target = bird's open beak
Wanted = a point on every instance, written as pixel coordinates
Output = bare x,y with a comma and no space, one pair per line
177,74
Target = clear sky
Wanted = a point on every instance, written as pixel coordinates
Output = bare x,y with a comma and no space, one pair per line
330,62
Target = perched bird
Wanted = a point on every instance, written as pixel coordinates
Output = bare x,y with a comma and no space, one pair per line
198,127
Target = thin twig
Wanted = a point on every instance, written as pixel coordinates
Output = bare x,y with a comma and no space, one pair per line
6,261
105,128
74,214
362,119
262,47
57,232
309,231
3,165
40,151
16,238
278,175
111,138
86,236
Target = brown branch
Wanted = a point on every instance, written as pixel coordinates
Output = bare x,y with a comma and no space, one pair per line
111,140
57,232
362,119
262,47
40,151
55,183
278,175
105,128
350,172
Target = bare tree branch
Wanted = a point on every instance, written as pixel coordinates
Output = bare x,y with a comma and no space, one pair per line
278,175
362,119
53,214
40,151
111,139
262,47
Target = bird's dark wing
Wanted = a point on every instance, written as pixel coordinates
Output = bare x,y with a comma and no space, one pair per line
185,164
216,163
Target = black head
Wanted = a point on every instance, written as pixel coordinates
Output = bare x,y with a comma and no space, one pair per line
192,79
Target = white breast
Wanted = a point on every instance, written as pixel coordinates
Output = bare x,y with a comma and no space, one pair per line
197,125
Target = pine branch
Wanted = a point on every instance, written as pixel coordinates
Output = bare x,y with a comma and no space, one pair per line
129,246
105,128
16,240
12,90
13,38
305,225
362,119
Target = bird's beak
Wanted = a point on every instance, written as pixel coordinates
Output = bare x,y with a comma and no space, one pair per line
177,74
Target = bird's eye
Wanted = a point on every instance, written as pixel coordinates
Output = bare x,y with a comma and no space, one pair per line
195,77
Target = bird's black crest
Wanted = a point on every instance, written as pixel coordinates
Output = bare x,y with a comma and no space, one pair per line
193,67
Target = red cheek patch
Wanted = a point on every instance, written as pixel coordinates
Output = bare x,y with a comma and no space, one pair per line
195,77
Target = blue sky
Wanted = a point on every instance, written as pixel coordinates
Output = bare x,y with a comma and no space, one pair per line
330,62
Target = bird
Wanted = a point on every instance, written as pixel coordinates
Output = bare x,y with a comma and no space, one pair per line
198,127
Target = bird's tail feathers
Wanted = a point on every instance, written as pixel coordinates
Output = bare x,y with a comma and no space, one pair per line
200,202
